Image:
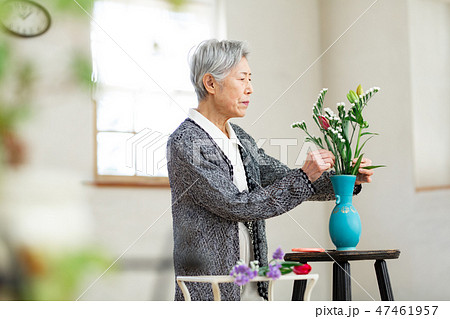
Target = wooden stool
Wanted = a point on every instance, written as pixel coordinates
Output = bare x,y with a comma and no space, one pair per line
341,270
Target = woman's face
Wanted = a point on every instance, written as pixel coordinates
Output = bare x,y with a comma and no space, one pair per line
233,96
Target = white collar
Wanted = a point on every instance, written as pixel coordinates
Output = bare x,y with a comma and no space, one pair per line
212,129
232,133
227,145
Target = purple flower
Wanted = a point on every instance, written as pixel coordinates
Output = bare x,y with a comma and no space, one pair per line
278,254
274,271
239,269
243,273
241,280
252,274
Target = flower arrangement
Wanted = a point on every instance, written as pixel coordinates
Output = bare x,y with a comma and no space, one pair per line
243,273
339,129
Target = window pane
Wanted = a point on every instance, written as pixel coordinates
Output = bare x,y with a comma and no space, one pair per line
150,44
112,154
115,111
150,154
160,113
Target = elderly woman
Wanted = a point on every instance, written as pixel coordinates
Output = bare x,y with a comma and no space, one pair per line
223,186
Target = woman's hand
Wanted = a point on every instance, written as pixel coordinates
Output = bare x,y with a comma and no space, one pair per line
317,162
363,175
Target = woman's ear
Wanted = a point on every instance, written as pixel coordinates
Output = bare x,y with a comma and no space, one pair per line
210,83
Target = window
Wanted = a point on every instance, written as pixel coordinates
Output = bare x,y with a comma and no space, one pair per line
143,91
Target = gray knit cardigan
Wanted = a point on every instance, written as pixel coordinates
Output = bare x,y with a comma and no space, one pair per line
207,206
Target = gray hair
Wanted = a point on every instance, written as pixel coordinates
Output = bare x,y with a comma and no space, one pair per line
216,58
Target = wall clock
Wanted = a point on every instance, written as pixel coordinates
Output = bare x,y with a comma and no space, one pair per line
24,18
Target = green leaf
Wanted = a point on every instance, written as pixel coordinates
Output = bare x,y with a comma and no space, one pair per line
285,271
373,166
82,69
330,147
359,150
341,112
4,58
262,271
343,155
368,133
290,264
359,119
317,122
356,166
74,8
348,155
315,140
345,125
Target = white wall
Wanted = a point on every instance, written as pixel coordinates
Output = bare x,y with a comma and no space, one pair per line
285,38
430,68
375,51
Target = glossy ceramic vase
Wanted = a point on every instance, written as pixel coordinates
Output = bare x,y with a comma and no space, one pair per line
345,224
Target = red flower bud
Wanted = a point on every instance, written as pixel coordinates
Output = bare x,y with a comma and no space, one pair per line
324,122
302,270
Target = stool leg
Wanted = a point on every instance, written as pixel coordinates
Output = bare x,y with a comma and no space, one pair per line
342,289
384,284
298,291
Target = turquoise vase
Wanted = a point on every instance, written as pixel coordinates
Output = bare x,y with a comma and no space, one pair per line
345,224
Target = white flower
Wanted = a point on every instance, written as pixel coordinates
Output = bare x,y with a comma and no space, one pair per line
342,140
297,124
329,112
254,265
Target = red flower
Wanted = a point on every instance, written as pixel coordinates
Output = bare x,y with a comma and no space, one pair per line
302,270
323,122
